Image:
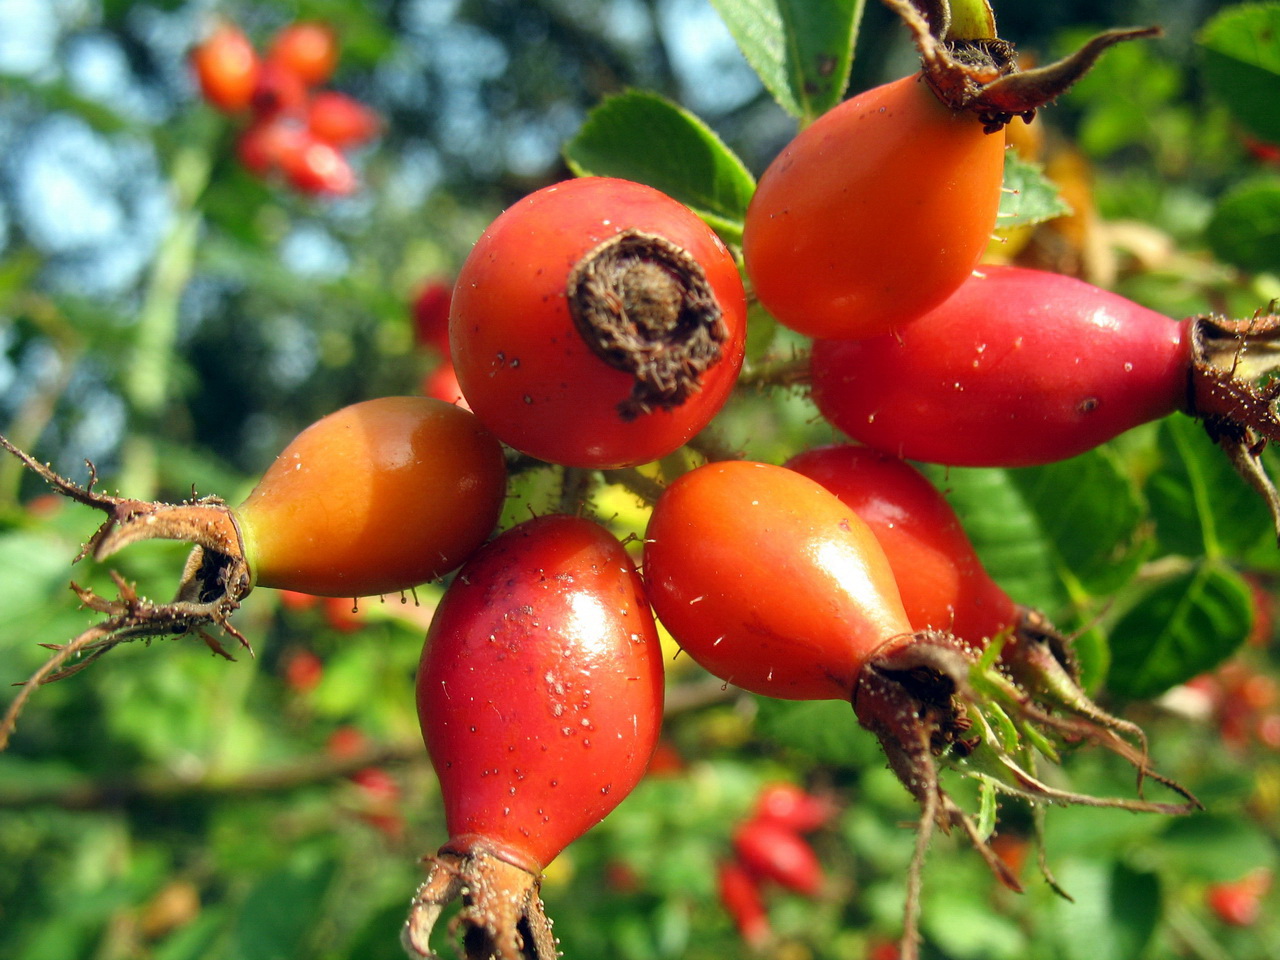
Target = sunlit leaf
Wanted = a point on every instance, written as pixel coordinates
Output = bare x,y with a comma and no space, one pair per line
644,137
802,49
1186,625
1240,49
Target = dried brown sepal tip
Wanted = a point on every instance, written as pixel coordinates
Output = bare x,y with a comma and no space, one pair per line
214,582
502,916
645,307
1233,386
980,74
933,700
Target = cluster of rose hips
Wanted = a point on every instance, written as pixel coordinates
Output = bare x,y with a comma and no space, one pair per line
770,847
599,325
293,128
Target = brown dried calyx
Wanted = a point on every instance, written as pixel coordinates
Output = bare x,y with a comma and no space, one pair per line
970,68
1233,386
644,306
934,700
214,582
502,917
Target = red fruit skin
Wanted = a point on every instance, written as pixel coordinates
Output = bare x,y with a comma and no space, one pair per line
792,807
267,145
226,67
772,851
943,583
874,213
740,896
1238,903
528,374
442,383
341,120
278,91
1019,367
769,581
303,671
306,48
318,168
540,689
431,315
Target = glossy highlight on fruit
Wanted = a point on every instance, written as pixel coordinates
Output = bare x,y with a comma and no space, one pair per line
1019,367
943,583
540,695
226,67
873,214
540,688
597,323
769,581
375,498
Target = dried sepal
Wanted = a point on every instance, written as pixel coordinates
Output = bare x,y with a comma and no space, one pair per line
1232,388
215,579
981,74
502,917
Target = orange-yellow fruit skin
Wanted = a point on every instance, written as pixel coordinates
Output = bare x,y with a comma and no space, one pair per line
375,498
873,214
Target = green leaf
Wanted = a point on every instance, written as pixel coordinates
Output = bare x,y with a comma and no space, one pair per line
1089,509
1028,196
1245,226
822,730
1199,503
1188,624
1114,914
802,49
281,912
1240,51
1214,849
1005,532
643,137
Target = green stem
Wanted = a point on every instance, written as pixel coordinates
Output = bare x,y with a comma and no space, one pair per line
971,20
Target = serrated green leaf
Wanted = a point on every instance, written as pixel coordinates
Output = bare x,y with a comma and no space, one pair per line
1240,50
1186,625
644,137
1089,509
802,49
1245,227
1005,532
1199,503
1028,196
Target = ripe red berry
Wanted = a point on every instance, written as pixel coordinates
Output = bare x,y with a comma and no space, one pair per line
792,807
1238,903
1018,367
772,851
226,67
278,91
540,695
340,120
267,145
318,168
431,314
308,49
597,323
740,896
